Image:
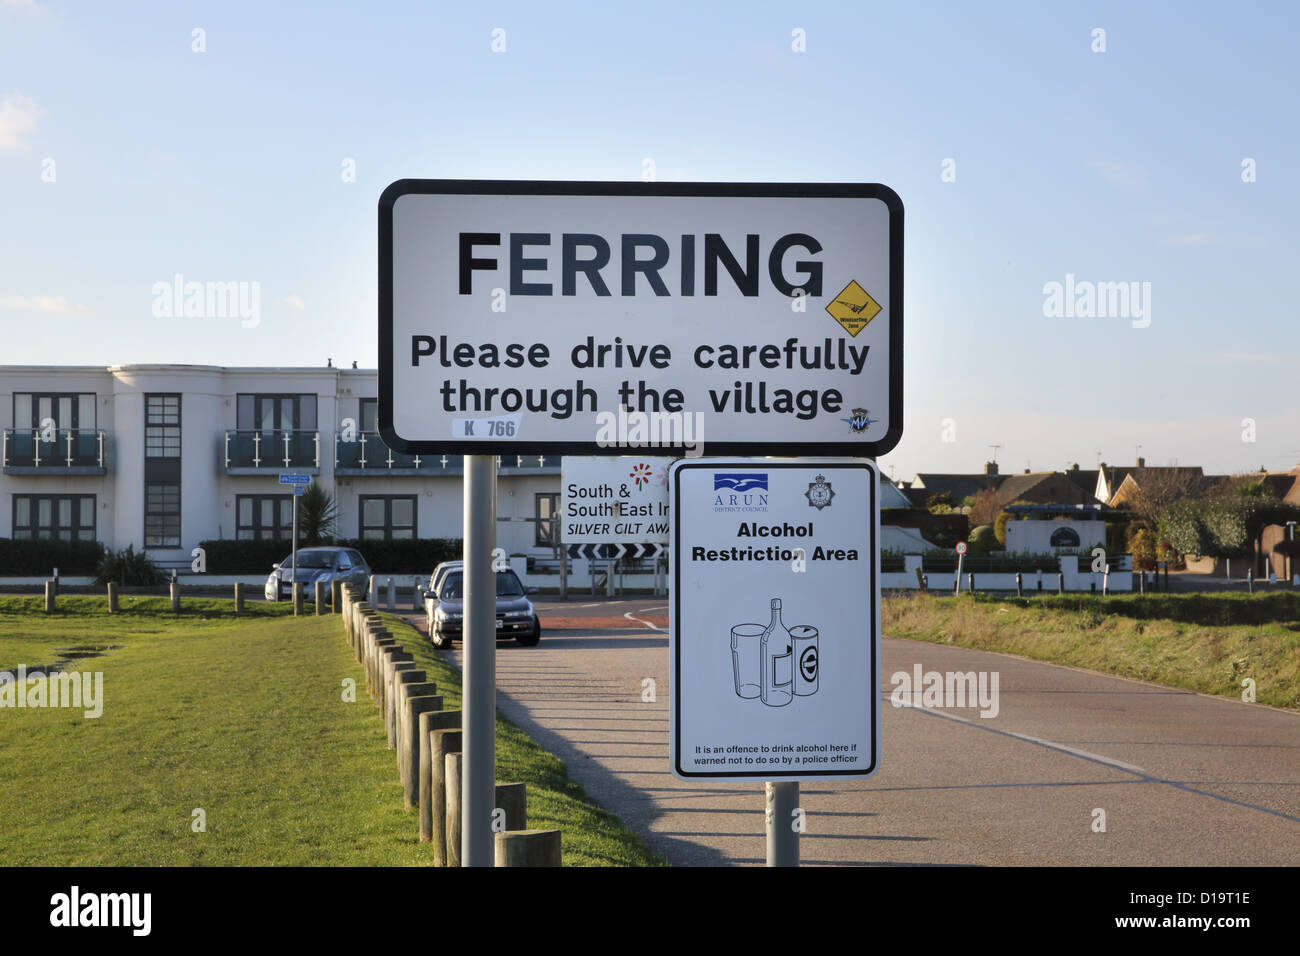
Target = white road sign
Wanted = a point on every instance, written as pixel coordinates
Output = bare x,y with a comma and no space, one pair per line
603,318
775,636
614,500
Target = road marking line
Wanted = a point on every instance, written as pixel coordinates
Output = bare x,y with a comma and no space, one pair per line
653,627
1042,742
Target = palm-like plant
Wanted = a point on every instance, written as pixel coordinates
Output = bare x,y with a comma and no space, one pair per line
318,515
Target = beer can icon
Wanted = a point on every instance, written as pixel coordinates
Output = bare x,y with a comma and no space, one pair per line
807,659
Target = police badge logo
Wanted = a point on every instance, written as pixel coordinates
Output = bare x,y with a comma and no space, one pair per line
819,493
859,422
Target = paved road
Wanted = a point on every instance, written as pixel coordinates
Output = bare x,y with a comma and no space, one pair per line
1182,779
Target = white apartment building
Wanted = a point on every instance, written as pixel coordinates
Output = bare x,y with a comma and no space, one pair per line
165,456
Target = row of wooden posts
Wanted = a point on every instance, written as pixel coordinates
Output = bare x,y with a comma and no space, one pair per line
326,597
428,742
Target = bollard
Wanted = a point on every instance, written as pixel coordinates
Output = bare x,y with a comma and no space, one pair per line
320,597
404,690
1020,585
239,599
56,582
970,582
920,579
512,801
416,707
441,744
401,681
112,597
1166,584
1250,580
297,598
925,582
372,591
1092,587
1060,582
374,648
417,596
430,721
1142,583
336,597
392,596
1105,580
49,596
528,848
176,596
453,767
394,664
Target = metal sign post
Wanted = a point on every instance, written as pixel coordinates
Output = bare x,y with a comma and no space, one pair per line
478,787
299,483
782,837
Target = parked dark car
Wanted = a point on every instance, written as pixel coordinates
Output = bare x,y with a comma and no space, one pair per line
316,564
516,616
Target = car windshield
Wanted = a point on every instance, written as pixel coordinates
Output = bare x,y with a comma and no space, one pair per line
507,585
310,559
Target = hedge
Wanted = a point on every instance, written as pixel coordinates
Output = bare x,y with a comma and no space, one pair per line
28,558
412,556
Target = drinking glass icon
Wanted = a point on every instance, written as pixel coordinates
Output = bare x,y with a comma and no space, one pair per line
747,659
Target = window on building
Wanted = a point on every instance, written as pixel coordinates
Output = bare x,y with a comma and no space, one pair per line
263,517
369,421
387,517
162,515
162,427
547,513
61,517
275,413
68,410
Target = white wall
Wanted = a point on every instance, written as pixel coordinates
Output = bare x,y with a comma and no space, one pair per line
1034,535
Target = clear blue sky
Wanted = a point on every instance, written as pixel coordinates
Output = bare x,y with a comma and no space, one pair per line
1117,166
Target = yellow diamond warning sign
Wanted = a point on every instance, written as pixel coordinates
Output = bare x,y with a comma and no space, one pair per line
853,308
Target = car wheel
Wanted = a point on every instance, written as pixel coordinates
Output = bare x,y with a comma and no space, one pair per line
440,641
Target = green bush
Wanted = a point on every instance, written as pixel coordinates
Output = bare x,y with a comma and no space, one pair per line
412,556
983,540
29,558
129,568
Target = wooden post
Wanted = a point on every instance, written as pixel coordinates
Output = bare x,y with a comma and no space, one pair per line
239,599
112,597
320,597
336,597
1060,582
512,801
297,598
970,582
403,692
454,809
920,578
441,744
176,596
416,707
394,664
430,721
1020,585
49,596
528,848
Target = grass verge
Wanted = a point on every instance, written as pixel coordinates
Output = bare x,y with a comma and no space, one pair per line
1205,643
245,720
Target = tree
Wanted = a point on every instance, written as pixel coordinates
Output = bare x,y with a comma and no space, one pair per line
1158,489
318,515
939,503
987,503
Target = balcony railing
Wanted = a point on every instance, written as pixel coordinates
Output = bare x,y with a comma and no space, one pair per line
272,450
65,449
366,451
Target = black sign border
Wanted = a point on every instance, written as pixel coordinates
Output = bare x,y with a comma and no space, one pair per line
406,187
873,679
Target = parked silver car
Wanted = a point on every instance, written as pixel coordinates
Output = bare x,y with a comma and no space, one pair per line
516,615
316,564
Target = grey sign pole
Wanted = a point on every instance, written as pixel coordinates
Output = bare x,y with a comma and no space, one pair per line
782,837
294,558
478,787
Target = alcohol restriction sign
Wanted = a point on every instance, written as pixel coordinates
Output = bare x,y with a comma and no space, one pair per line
615,318
775,636
614,500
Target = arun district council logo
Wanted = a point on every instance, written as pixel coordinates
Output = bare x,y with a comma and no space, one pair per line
819,493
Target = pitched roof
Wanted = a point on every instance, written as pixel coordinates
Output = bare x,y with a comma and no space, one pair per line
959,487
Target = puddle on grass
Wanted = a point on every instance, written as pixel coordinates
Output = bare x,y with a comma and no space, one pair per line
66,656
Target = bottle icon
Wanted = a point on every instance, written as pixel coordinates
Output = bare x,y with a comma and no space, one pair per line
778,659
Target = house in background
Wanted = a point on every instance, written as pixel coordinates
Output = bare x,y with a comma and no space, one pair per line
958,487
